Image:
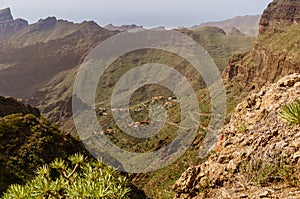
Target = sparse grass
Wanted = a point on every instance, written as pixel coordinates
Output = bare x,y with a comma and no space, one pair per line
265,172
285,43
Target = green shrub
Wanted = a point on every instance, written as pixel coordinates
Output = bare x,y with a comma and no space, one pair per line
74,178
290,113
27,142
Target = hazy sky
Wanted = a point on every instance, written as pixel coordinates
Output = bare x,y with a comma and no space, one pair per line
169,13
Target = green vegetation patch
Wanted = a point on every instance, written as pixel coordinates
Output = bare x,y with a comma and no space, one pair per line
74,178
26,142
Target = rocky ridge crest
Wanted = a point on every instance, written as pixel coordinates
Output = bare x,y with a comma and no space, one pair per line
280,13
8,24
276,51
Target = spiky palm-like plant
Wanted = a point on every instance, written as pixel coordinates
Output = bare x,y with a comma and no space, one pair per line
290,113
78,178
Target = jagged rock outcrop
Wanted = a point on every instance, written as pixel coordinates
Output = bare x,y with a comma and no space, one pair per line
122,28
255,139
5,15
280,13
275,53
9,105
8,25
44,24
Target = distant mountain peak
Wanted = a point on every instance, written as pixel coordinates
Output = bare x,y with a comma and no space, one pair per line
5,15
46,23
8,25
122,28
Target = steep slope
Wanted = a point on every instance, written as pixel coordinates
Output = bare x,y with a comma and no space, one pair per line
28,141
246,24
257,148
275,53
39,52
280,14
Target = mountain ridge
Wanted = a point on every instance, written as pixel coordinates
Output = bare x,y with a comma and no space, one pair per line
246,24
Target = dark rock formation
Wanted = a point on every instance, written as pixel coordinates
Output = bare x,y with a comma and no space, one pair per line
47,23
8,25
275,53
5,15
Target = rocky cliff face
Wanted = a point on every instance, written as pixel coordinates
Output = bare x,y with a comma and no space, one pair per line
8,25
279,14
276,51
5,15
254,142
